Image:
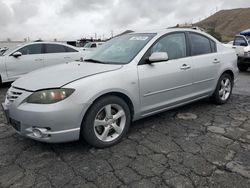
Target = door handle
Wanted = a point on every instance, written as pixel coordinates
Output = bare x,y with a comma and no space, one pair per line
216,61
66,57
185,67
38,59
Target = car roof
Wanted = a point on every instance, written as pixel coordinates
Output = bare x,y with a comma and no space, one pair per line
168,30
160,32
44,42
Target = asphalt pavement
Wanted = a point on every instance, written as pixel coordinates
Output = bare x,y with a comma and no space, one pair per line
198,145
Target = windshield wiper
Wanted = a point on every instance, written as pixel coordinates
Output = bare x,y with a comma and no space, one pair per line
94,61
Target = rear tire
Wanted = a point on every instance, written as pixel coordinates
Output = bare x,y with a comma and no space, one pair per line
223,89
106,122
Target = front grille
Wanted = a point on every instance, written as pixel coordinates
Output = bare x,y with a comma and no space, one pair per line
13,94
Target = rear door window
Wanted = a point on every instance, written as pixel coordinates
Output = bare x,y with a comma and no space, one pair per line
54,48
199,44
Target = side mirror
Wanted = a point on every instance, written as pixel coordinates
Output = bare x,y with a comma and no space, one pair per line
17,54
158,57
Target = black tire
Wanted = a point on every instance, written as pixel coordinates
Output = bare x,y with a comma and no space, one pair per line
88,129
243,68
1,84
216,97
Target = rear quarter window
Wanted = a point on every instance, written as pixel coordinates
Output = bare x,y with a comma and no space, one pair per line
68,49
213,46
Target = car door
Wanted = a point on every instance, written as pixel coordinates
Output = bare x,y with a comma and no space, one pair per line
167,83
58,54
31,58
206,63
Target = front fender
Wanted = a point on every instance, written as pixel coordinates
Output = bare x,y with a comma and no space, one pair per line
91,88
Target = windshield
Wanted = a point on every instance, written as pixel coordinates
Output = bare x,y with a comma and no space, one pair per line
121,50
87,45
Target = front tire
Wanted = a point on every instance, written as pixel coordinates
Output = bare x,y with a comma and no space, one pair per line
223,89
106,122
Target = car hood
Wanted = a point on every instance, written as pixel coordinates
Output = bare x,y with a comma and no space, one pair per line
60,75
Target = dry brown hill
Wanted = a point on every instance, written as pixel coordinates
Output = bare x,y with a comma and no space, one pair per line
227,23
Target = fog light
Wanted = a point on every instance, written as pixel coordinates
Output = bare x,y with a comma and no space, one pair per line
39,132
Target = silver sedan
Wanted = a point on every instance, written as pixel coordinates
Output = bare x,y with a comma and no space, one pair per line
127,78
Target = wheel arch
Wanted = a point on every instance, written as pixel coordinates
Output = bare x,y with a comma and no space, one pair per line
121,95
231,73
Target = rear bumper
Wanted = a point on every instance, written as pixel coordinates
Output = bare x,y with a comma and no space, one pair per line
244,60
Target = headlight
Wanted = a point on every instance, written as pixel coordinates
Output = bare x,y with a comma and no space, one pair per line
49,96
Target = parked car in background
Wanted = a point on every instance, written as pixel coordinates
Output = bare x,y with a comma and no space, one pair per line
242,46
130,77
2,50
28,57
91,46
229,44
240,43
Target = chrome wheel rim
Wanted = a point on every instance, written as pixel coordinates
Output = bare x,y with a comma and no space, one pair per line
109,122
225,89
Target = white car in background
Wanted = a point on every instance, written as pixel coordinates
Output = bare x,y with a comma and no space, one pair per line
29,57
91,46
241,45
2,50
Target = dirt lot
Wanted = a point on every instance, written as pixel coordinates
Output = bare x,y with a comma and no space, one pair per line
210,147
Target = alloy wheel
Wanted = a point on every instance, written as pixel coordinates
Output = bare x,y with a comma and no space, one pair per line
109,122
225,89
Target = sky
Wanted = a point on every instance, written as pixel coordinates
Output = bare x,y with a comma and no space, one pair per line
75,19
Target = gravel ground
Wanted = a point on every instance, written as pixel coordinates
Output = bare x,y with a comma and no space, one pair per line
198,145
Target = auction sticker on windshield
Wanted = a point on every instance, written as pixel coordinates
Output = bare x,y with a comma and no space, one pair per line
139,38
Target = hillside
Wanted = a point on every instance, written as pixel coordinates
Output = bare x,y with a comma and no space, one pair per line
227,23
